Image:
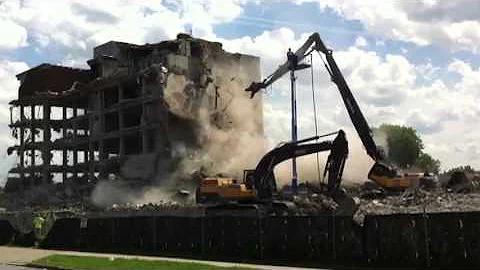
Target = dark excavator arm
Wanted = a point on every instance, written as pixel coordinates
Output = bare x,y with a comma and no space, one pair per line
263,176
263,180
358,120
300,54
315,43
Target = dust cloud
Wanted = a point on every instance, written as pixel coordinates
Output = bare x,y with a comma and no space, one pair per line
107,193
230,137
357,166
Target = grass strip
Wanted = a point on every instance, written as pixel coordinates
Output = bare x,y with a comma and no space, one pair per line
86,262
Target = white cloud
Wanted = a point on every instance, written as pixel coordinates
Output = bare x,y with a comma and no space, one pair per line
427,71
454,25
361,42
13,35
75,27
380,82
8,81
8,91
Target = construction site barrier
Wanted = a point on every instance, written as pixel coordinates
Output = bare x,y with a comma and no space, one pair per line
238,238
6,232
433,240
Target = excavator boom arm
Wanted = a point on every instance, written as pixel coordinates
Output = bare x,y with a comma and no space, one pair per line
263,178
315,43
287,151
356,115
300,54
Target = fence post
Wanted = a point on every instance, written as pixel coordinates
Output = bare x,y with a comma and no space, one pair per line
112,238
155,248
334,252
202,235
427,240
260,236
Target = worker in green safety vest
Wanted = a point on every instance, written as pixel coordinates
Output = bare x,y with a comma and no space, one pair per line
38,222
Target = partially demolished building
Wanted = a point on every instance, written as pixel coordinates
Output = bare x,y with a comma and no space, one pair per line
79,125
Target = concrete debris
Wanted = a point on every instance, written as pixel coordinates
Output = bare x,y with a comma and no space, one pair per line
462,182
420,201
165,206
316,203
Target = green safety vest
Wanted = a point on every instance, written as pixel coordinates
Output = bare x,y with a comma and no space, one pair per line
38,222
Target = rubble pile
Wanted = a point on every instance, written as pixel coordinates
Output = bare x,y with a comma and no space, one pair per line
159,206
420,201
314,204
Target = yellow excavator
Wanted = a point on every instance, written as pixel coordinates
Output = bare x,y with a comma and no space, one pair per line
382,174
259,185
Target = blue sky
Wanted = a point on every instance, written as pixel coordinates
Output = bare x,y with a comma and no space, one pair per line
407,62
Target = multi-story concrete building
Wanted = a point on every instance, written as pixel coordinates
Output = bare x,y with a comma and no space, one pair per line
79,125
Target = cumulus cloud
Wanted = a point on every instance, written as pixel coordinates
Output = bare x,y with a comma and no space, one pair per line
8,81
361,42
75,27
14,36
8,91
453,25
381,82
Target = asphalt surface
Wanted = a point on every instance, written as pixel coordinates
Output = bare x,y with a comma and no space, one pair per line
15,267
13,258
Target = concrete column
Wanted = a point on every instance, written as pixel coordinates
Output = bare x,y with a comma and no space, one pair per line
74,145
101,144
144,121
121,146
32,133
85,158
64,150
46,150
91,153
145,146
22,145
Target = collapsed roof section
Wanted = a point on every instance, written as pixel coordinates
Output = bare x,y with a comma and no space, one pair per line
50,78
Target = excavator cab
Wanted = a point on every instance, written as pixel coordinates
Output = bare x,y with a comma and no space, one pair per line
249,178
389,178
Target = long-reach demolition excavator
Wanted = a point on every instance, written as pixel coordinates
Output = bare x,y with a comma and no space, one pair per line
383,175
259,185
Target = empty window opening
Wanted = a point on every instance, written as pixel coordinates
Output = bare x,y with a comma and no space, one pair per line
133,144
110,97
132,117
111,122
131,89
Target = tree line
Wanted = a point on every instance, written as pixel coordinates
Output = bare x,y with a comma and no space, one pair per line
405,149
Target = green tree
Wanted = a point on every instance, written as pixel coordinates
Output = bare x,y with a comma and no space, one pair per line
404,144
427,163
464,168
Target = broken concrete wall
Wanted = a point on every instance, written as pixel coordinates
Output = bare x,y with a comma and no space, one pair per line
203,87
189,106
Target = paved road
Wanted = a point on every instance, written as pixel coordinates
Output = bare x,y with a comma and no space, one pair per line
15,267
22,256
